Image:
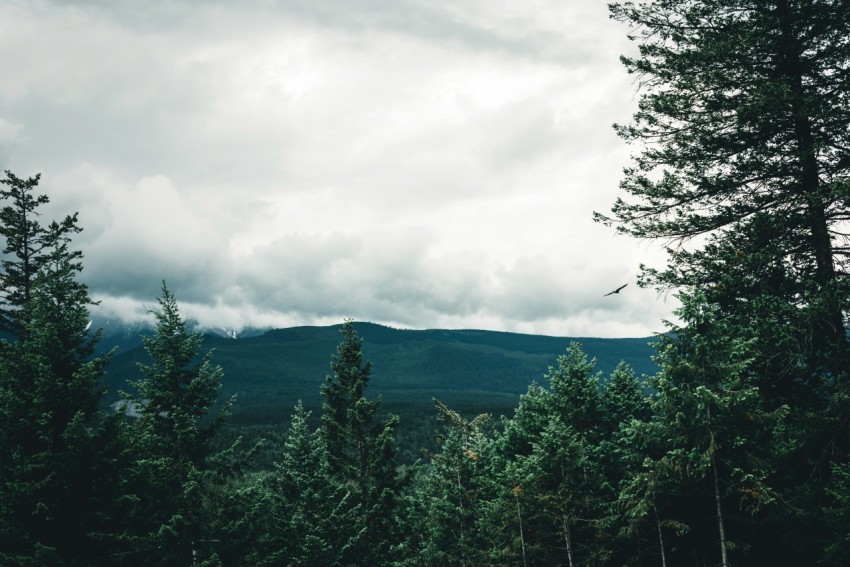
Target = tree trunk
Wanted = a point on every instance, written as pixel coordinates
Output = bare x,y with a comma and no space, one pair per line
565,526
720,527
829,333
660,537
521,536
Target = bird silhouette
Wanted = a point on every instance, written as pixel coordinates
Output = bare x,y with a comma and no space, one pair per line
615,291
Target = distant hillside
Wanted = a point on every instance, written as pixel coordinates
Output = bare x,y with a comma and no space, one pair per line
474,370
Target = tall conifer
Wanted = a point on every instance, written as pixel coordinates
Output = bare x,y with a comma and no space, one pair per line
361,451
55,474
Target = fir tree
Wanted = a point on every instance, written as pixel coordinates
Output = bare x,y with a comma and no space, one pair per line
175,469
715,445
743,125
55,447
361,452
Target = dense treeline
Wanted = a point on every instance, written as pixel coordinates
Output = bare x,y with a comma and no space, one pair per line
696,465
737,452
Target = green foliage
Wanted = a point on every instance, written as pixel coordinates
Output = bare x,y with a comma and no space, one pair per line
360,453
444,506
838,515
174,472
54,468
743,125
564,474
742,130
292,514
554,469
710,442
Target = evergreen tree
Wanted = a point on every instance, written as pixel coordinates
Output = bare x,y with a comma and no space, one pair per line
27,244
744,123
553,474
361,452
175,470
576,399
446,502
622,399
623,402
56,474
837,538
715,445
291,514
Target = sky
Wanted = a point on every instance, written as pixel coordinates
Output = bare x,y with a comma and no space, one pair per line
415,163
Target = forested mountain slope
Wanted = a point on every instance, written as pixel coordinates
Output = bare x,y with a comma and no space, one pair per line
480,370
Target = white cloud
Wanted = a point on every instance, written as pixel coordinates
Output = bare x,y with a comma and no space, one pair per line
422,164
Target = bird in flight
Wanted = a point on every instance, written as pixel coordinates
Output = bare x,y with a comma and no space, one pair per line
615,291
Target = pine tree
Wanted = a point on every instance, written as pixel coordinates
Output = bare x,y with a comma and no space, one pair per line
361,452
743,124
55,447
742,130
715,445
291,514
175,468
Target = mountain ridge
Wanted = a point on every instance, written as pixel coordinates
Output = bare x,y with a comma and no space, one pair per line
472,368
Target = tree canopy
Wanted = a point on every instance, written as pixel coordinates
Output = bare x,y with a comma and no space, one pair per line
743,132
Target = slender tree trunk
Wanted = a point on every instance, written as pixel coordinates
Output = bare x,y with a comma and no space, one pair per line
660,537
461,543
521,536
565,526
720,527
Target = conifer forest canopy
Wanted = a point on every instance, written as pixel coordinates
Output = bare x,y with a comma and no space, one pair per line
735,452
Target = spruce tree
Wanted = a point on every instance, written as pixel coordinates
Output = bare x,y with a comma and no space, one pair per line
743,126
553,474
27,244
361,452
449,496
715,446
57,481
291,514
175,468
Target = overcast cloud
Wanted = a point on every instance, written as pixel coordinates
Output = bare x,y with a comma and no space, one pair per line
425,164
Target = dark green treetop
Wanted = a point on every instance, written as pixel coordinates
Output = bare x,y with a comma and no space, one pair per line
56,479
360,451
175,468
744,126
27,244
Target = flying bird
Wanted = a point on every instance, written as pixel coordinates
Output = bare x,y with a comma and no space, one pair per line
616,290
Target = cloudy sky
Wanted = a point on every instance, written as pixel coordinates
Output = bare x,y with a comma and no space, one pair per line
418,163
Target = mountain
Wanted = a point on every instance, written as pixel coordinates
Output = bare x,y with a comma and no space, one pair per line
121,337
467,369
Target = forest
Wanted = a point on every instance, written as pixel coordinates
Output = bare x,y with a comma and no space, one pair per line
735,452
